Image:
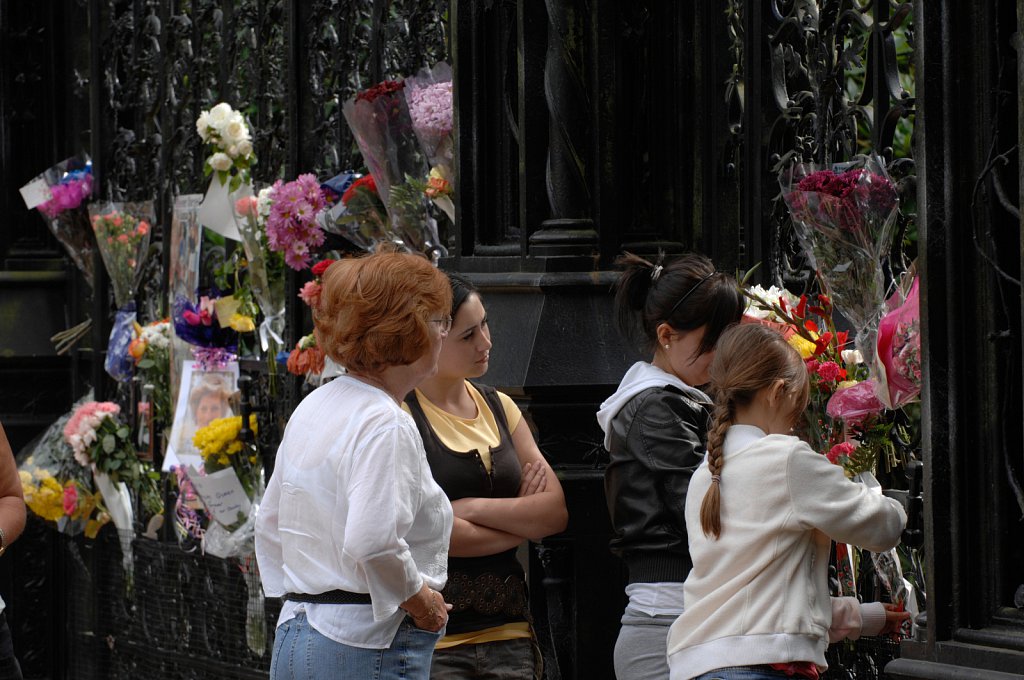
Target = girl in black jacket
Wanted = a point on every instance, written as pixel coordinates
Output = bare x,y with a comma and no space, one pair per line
655,428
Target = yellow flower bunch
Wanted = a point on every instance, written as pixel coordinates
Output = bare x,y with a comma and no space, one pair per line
218,441
44,495
48,498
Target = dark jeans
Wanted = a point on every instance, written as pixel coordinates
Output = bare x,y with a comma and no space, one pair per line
503,660
9,667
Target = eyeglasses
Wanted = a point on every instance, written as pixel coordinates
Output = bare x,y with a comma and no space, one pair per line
445,324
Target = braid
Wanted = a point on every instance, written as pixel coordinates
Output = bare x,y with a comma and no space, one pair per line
711,507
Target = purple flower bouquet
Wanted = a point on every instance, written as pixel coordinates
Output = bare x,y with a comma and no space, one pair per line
429,96
60,194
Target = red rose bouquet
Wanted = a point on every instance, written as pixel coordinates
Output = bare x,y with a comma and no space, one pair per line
843,218
383,128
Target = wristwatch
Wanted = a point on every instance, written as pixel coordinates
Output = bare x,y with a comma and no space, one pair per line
3,542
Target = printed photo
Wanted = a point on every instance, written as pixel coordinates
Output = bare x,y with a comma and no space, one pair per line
203,397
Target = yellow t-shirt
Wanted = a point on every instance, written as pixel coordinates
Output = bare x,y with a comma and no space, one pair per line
479,433
475,434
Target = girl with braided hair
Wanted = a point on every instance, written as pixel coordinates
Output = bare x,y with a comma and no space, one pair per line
655,428
761,513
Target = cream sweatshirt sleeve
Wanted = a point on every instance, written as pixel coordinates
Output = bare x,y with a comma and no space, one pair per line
848,512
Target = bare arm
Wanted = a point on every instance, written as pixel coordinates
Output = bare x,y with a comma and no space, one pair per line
474,540
12,501
532,516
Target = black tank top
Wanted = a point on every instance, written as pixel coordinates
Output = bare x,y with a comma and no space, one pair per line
490,590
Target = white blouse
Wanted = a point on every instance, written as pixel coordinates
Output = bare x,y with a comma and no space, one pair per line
352,506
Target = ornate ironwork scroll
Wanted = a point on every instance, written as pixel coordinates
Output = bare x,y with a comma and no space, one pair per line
837,83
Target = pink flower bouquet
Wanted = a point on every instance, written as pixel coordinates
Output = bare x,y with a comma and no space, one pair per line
897,365
102,443
122,233
429,97
843,218
292,225
60,194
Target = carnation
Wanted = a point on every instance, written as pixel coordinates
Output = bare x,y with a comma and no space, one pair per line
829,371
840,451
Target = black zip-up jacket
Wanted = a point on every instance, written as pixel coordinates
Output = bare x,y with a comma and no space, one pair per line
657,440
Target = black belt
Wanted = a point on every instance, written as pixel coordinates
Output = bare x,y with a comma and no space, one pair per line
330,597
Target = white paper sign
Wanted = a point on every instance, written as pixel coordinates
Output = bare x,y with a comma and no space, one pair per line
222,494
36,192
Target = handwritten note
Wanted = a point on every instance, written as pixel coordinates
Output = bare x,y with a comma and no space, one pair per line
222,494
36,192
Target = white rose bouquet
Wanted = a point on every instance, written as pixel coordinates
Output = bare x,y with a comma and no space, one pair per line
226,135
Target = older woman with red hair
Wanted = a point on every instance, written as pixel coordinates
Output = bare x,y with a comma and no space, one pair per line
353,531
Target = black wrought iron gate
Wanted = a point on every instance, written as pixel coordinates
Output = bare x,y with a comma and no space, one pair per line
584,127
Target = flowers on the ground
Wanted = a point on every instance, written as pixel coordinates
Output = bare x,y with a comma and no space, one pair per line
292,226
229,144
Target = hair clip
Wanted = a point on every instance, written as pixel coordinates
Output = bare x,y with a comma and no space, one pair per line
656,273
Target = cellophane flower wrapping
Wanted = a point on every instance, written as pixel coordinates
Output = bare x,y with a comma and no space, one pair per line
897,365
70,185
431,105
57,488
844,218
122,233
222,446
265,266
382,126
359,215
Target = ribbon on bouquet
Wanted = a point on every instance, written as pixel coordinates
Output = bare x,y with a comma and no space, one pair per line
272,328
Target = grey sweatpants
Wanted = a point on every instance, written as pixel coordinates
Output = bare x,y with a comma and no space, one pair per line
641,648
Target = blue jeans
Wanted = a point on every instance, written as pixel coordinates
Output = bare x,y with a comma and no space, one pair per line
302,653
743,673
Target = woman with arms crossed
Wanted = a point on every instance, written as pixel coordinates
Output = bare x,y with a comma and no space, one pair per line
482,453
